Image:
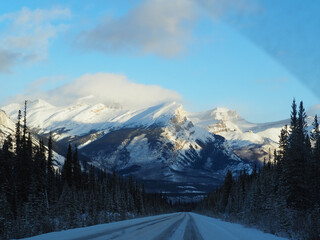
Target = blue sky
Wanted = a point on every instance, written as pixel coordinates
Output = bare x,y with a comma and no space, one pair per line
250,56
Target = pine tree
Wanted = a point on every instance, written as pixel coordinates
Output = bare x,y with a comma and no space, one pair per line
283,144
18,133
10,171
293,118
315,162
227,186
302,123
24,160
24,136
92,181
76,169
39,171
50,169
51,184
138,199
315,133
295,164
6,216
67,168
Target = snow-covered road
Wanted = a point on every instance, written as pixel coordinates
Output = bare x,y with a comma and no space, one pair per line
175,226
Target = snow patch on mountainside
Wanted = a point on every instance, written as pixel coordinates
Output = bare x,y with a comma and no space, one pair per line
7,126
245,137
76,119
153,143
140,152
180,128
80,119
5,121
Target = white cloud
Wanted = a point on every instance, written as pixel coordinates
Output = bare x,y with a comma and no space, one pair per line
26,35
7,59
162,27
103,88
44,82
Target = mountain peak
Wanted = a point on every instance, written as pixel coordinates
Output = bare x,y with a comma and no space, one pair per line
224,114
220,109
39,103
216,114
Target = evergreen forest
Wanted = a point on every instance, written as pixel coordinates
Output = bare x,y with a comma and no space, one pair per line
283,197
36,197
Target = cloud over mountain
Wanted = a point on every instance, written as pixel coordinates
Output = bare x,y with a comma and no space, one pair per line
106,88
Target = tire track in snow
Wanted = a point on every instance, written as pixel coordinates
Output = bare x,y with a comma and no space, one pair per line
122,229
132,233
192,231
176,226
166,234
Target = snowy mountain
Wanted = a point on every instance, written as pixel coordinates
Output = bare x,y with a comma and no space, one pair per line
152,144
190,152
163,145
7,127
248,140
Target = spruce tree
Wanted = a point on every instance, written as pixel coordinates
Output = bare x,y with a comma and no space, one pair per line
92,181
227,186
24,160
50,169
18,132
315,133
51,183
24,136
315,162
293,118
295,164
67,168
283,144
76,169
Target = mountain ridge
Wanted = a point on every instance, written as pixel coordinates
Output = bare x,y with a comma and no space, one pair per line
97,120
158,143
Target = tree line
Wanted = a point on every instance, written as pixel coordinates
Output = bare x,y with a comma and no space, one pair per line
37,197
283,197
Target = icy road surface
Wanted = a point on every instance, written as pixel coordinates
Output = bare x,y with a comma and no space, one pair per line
175,226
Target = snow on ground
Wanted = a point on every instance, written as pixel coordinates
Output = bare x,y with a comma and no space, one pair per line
213,228
167,226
